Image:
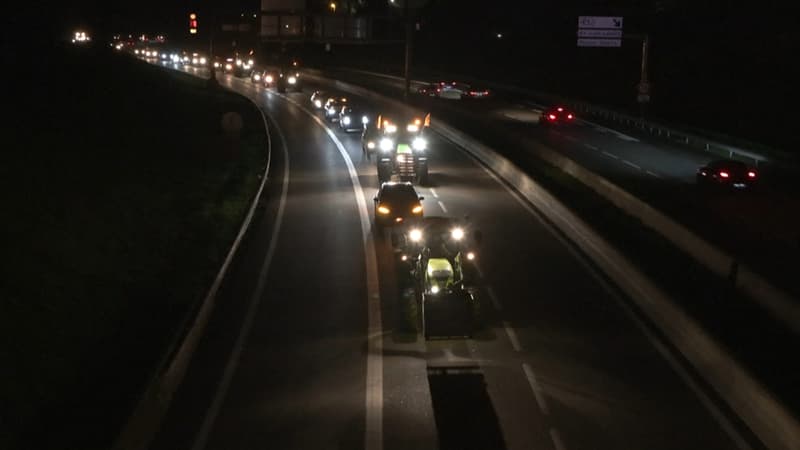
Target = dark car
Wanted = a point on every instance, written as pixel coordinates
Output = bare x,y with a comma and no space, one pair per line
397,203
727,173
353,118
556,115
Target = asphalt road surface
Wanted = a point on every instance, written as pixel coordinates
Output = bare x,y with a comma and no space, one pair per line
561,364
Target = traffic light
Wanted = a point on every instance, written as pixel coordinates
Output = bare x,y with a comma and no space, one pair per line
192,23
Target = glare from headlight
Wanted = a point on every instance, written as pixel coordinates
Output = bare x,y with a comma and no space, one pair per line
434,289
292,80
194,60
419,144
386,144
257,77
415,235
365,120
203,61
238,62
317,103
269,79
457,233
370,144
412,128
391,128
228,66
470,256
383,210
417,209
216,65
346,120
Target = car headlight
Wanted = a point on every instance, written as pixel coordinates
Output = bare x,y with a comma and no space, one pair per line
238,62
391,128
317,103
364,120
292,80
203,61
346,120
386,144
370,145
434,289
269,79
194,60
419,144
417,209
383,210
413,128
457,233
470,256
415,235
228,66
257,77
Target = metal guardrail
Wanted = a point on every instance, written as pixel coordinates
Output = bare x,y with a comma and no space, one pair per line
660,130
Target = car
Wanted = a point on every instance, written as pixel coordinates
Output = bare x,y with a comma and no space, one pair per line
353,118
332,108
397,203
288,80
556,115
318,99
727,173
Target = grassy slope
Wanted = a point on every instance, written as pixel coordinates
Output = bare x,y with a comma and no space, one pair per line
122,196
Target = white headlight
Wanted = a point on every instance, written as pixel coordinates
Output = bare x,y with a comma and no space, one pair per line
346,120
391,128
386,144
457,233
434,289
412,128
203,61
470,256
419,144
257,77
317,103
292,80
194,60
415,235
228,66
364,120
269,80
370,144
238,62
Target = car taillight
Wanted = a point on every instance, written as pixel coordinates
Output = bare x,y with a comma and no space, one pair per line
724,174
569,116
751,174
551,117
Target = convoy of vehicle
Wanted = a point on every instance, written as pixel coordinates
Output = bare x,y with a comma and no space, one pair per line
453,90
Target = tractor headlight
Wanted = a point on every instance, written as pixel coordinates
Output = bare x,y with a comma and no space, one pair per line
470,256
383,210
413,128
346,120
415,235
364,120
292,80
457,233
269,79
419,144
257,77
370,145
391,128
434,289
203,61
386,144
317,103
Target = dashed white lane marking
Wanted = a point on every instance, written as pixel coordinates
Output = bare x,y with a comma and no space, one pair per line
591,147
512,336
537,390
557,439
433,193
652,174
610,155
441,205
625,161
493,298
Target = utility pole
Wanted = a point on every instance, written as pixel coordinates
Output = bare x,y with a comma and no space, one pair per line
409,37
643,88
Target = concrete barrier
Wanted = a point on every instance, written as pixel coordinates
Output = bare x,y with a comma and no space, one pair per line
774,425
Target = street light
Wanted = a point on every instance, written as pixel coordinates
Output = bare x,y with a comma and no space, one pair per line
333,6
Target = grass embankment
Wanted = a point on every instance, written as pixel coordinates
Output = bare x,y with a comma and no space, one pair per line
122,196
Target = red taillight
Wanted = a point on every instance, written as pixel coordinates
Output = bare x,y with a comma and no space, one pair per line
751,174
551,117
724,174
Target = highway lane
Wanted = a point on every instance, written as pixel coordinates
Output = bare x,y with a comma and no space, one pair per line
561,363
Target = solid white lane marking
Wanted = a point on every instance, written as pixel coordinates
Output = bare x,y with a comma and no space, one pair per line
373,432
590,146
433,193
512,336
610,155
537,390
441,205
255,300
557,442
625,161
653,174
